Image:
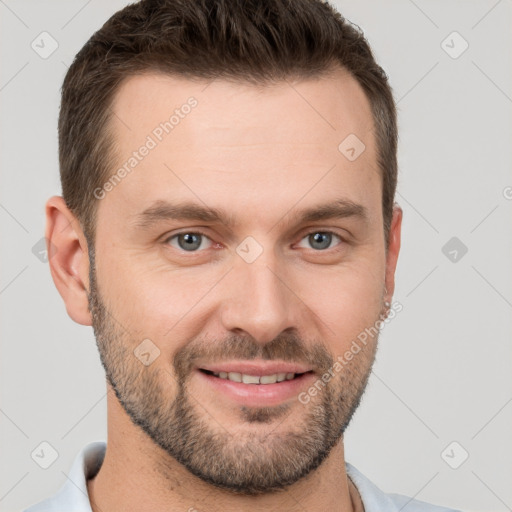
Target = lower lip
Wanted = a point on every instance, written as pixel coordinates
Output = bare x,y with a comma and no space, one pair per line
259,395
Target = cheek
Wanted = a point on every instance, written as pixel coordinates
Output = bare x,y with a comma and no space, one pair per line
345,301
158,304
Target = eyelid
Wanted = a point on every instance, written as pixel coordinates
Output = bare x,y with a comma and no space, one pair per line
194,231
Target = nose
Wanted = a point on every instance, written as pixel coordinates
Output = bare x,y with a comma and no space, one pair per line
260,300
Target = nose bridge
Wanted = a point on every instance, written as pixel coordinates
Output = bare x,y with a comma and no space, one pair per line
259,302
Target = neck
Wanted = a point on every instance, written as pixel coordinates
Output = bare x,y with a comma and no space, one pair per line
138,475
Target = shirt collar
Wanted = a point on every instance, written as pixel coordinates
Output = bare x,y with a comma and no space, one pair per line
73,495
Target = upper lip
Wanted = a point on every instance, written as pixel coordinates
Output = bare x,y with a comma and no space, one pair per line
256,368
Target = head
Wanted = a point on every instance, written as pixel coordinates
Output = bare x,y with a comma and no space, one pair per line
228,172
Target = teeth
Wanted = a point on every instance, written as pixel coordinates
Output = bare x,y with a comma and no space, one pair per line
235,377
255,379
250,379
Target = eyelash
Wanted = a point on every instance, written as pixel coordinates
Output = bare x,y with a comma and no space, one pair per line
328,232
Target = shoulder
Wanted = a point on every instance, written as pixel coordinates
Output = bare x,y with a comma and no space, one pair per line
72,495
375,500
416,506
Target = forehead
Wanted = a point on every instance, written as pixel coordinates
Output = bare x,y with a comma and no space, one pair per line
333,103
234,143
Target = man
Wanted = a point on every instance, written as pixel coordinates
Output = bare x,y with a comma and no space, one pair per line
228,228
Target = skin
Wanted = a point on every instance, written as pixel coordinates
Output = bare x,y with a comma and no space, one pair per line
263,155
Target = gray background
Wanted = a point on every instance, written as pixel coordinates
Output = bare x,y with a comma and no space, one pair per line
443,370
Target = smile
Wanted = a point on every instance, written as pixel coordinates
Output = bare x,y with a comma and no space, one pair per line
256,384
254,379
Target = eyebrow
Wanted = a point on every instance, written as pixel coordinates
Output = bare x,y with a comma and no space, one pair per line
163,210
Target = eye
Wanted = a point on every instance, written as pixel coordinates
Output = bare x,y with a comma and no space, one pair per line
189,241
320,240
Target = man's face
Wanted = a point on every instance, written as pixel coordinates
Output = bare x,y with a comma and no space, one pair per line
260,291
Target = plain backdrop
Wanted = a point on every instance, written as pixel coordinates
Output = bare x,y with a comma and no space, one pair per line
441,387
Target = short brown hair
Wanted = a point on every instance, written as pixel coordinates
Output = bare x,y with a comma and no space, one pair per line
254,41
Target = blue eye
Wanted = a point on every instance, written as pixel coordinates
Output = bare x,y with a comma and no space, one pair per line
321,240
192,241
188,241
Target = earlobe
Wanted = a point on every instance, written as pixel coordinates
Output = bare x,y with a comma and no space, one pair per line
393,250
69,258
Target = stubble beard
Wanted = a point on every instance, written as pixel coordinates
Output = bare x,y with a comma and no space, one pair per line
260,460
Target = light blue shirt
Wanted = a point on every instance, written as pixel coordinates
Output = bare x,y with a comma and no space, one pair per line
73,496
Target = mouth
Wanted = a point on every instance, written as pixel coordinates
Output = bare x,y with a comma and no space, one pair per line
255,379
256,384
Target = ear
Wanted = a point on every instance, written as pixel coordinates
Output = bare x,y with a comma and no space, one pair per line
69,258
393,250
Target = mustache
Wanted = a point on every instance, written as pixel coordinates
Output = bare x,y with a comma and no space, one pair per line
287,346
